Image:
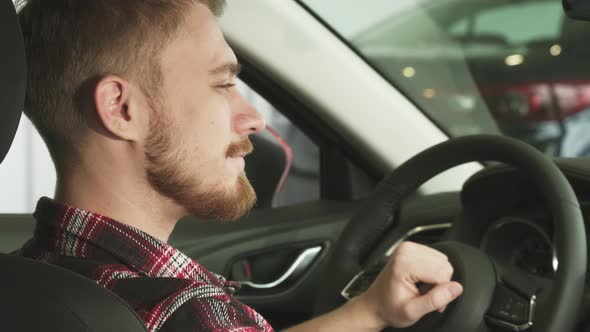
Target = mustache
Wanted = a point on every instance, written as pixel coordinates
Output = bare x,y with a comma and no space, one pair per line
243,147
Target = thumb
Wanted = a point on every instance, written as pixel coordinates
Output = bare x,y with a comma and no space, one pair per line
437,298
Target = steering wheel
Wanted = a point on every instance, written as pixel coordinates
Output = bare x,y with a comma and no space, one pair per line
496,296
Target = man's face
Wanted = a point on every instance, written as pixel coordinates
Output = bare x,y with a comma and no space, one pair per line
199,130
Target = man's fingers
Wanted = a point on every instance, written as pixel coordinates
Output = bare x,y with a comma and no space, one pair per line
436,299
421,263
420,248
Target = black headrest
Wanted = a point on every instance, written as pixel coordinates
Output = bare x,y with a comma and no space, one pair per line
577,9
12,75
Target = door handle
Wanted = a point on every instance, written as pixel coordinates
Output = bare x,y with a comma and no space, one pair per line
301,263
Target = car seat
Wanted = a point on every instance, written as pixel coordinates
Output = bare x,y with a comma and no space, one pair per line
37,296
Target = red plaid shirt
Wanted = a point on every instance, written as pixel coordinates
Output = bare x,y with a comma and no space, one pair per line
168,290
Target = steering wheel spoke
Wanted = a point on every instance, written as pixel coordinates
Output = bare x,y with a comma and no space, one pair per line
518,296
511,309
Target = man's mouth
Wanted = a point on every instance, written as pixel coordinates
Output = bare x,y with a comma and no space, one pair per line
240,149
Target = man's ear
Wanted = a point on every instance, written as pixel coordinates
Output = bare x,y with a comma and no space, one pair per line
114,107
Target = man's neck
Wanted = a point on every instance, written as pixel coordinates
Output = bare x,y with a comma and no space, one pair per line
123,197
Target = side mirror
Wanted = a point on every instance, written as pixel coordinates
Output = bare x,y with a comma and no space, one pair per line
577,9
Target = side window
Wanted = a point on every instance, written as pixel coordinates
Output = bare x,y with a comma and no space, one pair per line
285,169
27,173
296,157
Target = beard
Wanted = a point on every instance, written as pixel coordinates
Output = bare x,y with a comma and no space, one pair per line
170,173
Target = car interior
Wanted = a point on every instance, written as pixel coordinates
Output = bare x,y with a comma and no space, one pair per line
515,233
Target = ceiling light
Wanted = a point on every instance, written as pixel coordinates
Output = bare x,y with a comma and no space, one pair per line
514,60
429,93
555,50
409,72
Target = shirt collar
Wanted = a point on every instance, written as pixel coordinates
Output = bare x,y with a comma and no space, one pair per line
78,233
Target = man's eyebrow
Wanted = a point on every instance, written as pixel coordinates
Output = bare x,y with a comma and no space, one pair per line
231,68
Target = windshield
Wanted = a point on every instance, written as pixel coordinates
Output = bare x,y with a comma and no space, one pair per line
516,67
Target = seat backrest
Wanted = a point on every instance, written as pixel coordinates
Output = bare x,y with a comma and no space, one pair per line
35,296
43,297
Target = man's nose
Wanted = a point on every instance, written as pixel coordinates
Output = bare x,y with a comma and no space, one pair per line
247,120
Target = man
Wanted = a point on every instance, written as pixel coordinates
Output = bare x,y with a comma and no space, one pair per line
136,102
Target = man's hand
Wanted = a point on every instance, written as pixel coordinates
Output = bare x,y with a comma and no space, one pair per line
394,297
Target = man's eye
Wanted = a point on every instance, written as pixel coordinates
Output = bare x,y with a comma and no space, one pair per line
227,86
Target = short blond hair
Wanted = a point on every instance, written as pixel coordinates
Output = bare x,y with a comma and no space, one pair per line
71,44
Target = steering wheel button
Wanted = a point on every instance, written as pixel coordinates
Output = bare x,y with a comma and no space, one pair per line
509,309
